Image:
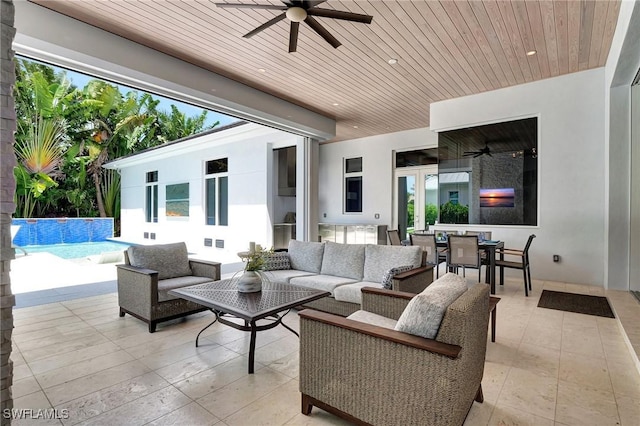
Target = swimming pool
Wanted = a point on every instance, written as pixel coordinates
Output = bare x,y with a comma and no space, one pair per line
78,250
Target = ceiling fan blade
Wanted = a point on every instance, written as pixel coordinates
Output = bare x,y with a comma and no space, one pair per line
293,36
322,31
251,6
265,25
477,155
339,14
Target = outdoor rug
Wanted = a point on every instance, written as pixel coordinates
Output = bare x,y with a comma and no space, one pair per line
579,303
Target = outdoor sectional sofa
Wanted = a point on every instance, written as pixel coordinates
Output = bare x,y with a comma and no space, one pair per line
343,269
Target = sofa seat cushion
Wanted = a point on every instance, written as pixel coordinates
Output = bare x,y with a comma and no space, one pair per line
379,259
169,260
285,275
322,282
172,283
353,292
373,319
425,311
306,255
343,260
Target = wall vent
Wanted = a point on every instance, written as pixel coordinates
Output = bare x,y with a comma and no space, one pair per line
208,242
219,243
146,235
153,235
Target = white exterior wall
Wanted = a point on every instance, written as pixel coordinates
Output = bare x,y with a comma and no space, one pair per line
248,149
377,167
571,168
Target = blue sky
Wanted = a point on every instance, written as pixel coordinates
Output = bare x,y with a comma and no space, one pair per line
80,80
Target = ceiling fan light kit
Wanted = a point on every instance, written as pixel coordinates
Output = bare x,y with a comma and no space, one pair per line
297,11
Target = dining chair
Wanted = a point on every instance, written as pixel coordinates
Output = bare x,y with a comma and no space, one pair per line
462,251
434,255
394,237
522,263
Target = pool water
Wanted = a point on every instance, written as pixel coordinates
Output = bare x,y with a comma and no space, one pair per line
78,250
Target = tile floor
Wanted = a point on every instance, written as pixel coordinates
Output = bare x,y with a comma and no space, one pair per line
546,368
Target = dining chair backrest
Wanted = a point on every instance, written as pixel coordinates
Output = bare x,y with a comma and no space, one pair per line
529,241
394,237
428,244
463,251
486,234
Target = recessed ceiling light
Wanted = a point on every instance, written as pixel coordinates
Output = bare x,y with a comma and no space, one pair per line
261,70
335,104
392,61
355,127
531,53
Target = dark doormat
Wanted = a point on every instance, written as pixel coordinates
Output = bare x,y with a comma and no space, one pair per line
579,303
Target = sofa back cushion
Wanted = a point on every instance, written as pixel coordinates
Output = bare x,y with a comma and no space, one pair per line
170,260
379,259
306,255
425,311
343,260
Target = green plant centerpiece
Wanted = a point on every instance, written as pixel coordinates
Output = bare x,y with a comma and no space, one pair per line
251,279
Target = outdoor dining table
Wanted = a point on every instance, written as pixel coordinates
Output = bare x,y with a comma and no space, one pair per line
489,248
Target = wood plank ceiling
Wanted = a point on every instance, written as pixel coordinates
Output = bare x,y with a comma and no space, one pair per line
445,49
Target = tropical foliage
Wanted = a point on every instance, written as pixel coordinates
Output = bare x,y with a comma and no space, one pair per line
66,134
454,213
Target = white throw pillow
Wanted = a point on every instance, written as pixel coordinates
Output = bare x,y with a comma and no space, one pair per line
425,311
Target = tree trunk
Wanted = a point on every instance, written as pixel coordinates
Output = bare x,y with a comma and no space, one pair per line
96,182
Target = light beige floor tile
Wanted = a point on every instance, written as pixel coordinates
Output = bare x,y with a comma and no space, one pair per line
172,355
529,392
137,333
16,357
143,410
43,319
82,368
628,410
67,359
502,351
160,345
24,387
317,417
493,381
101,307
215,378
57,337
504,415
572,319
87,315
289,365
542,335
189,415
62,330
479,414
264,338
582,340
277,350
34,400
74,389
34,311
625,380
26,329
63,347
538,359
21,372
272,409
188,367
585,406
237,395
585,371
39,413
96,403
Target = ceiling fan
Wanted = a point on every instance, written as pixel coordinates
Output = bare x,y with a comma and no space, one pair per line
480,152
298,11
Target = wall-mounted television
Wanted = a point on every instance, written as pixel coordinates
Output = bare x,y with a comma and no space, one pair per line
497,197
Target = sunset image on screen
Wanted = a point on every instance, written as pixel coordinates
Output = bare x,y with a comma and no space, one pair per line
499,197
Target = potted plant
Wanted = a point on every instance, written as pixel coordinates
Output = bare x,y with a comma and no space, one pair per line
251,279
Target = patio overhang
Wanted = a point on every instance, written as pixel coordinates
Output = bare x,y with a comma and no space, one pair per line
49,36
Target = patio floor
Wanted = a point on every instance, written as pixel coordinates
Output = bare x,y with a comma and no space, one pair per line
547,367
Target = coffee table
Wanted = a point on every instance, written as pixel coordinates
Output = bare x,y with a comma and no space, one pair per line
223,299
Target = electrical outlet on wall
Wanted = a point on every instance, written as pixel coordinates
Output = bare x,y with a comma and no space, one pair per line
556,258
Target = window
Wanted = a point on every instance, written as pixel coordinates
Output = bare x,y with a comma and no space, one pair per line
177,200
151,197
217,192
489,174
353,185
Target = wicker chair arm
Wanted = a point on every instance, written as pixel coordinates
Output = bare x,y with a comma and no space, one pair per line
405,339
136,270
413,281
387,303
205,268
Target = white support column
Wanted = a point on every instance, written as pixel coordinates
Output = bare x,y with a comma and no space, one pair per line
308,154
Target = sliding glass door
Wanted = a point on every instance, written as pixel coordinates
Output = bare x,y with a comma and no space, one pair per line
415,199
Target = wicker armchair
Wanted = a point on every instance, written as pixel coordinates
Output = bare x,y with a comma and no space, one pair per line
374,375
150,272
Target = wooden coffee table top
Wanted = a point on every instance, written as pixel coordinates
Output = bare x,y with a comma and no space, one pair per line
223,296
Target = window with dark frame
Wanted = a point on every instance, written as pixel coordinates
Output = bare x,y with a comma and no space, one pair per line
353,185
217,192
151,197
